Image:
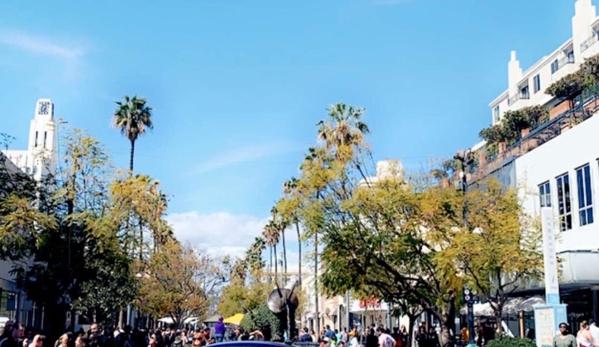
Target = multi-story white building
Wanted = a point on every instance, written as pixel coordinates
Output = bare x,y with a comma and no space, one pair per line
38,161
555,164
526,88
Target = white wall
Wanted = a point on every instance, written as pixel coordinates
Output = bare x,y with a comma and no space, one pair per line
565,153
584,24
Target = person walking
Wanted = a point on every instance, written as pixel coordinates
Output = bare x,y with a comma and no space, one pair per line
219,330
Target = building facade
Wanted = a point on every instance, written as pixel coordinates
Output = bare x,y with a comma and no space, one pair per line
38,160
555,164
526,88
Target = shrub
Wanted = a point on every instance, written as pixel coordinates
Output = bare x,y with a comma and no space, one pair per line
568,87
262,318
511,342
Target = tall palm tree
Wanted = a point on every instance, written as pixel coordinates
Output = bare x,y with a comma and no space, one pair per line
132,117
281,225
254,255
290,189
271,236
344,126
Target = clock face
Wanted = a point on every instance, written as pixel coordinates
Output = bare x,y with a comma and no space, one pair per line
44,108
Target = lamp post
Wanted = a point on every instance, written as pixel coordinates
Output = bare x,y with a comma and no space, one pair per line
469,298
465,160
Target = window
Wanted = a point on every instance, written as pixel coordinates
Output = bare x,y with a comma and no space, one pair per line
35,144
545,194
554,66
563,201
45,138
496,114
570,57
585,195
536,83
524,93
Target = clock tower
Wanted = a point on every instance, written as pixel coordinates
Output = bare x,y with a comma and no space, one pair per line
40,157
42,140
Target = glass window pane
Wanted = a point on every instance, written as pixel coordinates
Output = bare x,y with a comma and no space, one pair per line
588,186
580,187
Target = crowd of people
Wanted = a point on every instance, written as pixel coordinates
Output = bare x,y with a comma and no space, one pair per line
15,334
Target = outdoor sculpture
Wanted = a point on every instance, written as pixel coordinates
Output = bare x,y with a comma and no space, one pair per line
283,302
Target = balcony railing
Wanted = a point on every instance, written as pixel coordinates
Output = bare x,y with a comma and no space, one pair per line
586,44
565,61
517,97
584,107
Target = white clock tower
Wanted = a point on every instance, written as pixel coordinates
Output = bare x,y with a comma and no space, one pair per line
39,159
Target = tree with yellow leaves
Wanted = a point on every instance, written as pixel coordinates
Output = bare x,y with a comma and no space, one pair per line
174,283
401,239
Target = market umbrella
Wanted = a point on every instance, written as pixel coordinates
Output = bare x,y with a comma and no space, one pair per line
235,319
212,319
528,304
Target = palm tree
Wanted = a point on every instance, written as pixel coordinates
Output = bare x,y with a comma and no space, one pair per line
271,236
254,255
344,126
281,225
290,189
132,117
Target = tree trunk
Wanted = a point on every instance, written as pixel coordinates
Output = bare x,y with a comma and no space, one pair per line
141,241
131,157
299,247
284,257
410,329
276,264
316,313
271,268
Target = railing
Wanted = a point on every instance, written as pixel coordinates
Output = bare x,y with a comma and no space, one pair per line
565,61
585,106
517,97
586,44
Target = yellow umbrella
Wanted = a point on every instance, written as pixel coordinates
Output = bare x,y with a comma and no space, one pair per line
236,319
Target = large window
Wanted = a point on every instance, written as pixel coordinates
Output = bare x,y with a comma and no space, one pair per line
585,195
496,114
563,202
545,194
554,66
536,83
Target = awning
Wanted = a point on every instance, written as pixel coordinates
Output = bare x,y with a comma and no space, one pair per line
235,319
212,319
190,320
167,320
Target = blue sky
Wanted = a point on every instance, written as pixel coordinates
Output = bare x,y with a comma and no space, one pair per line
237,86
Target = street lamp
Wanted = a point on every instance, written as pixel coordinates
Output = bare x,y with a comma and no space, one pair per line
469,298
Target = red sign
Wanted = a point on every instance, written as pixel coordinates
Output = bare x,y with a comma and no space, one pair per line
372,302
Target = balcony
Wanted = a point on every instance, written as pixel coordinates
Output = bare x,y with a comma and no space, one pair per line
493,157
586,44
517,97
558,64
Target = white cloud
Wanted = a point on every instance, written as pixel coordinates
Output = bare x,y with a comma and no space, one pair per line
241,155
58,60
220,233
40,45
224,233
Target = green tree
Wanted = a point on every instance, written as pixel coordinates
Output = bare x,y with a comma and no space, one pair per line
170,287
288,207
382,230
62,236
262,318
500,251
132,117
